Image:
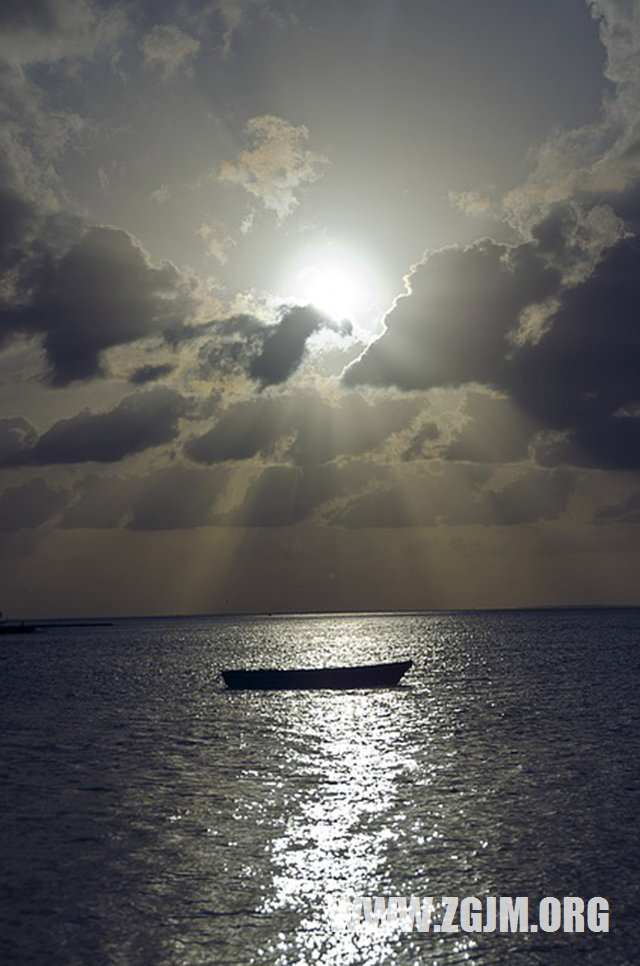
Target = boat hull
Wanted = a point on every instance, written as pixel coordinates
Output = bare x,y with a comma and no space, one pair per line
360,676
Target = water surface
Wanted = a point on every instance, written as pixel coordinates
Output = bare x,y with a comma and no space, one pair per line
149,816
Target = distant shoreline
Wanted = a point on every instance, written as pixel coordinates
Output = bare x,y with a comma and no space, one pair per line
70,622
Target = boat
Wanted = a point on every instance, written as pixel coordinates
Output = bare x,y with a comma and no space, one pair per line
358,676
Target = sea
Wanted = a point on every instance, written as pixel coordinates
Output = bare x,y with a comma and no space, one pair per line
148,815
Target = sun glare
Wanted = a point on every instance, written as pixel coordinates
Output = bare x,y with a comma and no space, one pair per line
336,284
330,289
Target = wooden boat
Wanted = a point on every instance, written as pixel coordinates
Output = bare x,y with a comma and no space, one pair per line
360,676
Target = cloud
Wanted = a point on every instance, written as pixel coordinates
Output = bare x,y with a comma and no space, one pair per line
610,442
138,422
420,495
596,165
453,325
549,321
217,240
17,438
29,504
276,166
244,345
177,498
456,494
271,500
150,373
304,427
573,371
51,30
32,226
101,292
620,33
171,498
169,50
234,15
587,363
285,495
232,345
421,440
493,431
533,496
161,194
626,512
101,502
284,344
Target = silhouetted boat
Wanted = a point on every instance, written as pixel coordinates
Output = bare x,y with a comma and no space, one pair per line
360,676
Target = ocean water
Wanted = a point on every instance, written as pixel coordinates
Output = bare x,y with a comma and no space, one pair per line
149,816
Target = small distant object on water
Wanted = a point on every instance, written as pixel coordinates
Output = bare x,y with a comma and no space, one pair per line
30,627
358,676
16,627
54,624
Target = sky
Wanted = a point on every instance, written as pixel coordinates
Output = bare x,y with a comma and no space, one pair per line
318,306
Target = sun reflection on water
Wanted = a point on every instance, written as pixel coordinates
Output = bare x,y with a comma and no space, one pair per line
342,823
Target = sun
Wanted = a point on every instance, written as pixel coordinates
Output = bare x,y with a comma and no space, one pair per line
330,288
334,283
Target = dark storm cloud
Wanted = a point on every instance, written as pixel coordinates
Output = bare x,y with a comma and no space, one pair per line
242,431
269,354
459,325
150,373
587,364
100,293
138,422
79,290
233,344
311,429
29,504
612,442
283,346
551,322
452,327
582,379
